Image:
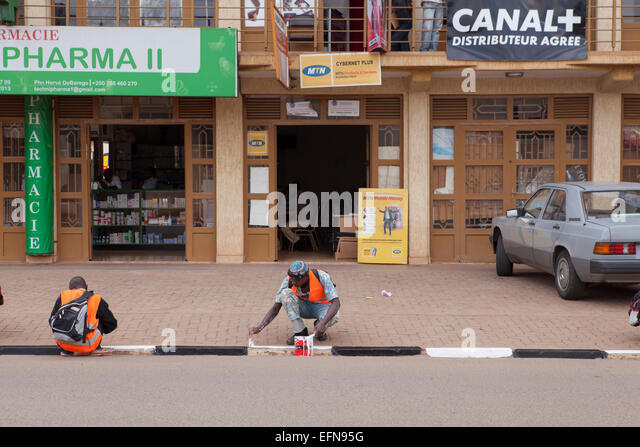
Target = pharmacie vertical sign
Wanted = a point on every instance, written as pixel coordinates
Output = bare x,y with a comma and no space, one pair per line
39,175
514,30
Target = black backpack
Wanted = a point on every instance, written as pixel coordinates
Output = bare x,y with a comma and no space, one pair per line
69,323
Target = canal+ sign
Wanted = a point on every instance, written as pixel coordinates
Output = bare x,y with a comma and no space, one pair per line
512,30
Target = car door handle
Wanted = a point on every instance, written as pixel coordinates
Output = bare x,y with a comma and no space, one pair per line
556,227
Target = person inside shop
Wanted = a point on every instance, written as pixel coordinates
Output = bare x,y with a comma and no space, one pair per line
99,320
110,181
304,293
150,180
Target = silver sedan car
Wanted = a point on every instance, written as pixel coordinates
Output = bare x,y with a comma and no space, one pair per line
579,232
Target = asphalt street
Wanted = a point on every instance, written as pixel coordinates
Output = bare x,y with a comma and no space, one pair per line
318,391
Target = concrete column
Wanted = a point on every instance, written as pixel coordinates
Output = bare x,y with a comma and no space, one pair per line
417,163
229,181
607,140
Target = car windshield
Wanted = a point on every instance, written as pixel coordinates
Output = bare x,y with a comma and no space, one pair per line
604,204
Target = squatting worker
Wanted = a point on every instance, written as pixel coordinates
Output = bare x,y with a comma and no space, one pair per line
305,293
98,314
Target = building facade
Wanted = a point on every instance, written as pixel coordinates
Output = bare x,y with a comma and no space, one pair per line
467,139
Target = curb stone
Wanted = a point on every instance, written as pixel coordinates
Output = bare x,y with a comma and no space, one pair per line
347,351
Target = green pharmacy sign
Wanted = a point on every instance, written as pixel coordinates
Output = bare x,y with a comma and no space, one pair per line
39,175
118,61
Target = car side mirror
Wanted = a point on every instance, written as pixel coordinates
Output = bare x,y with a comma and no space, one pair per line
517,212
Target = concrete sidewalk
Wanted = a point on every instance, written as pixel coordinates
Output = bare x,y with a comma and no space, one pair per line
430,306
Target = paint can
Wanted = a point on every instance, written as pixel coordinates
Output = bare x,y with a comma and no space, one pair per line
304,345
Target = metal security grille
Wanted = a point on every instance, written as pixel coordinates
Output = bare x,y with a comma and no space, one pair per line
196,108
263,108
75,107
383,108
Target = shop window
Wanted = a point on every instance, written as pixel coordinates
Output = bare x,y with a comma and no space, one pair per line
155,107
116,107
203,213
69,141
70,177
484,180
528,178
13,177
202,141
70,213
442,180
631,174
535,145
14,212
13,140
489,108
530,108
389,143
443,217
479,213
484,145
203,178
389,177
577,142
577,173
631,143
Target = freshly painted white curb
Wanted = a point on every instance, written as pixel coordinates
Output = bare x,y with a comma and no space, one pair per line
469,353
623,352
132,349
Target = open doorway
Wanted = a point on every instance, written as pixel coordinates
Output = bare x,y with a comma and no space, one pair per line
313,160
138,192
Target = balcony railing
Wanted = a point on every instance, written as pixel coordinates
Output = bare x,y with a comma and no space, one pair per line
316,25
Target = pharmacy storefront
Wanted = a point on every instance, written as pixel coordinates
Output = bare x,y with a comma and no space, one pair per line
107,144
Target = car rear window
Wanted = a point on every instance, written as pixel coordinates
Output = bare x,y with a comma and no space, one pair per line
606,204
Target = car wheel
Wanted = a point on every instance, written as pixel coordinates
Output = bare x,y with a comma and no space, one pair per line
568,285
504,267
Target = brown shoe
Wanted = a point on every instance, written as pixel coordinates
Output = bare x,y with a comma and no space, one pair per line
101,351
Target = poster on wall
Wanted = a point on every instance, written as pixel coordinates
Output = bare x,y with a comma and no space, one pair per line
257,143
281,48
297,12
377,25
253,13
516,30
383,220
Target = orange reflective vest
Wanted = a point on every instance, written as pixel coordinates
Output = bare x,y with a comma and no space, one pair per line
93,338
316,291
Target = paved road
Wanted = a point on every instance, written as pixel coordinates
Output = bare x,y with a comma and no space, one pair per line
269,391
430,305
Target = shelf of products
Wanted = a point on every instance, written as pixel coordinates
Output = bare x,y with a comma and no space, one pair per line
138,218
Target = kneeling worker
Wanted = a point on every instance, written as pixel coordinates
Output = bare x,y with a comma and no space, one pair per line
305,294
99,320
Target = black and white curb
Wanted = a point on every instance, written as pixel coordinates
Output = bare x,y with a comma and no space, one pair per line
345,351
